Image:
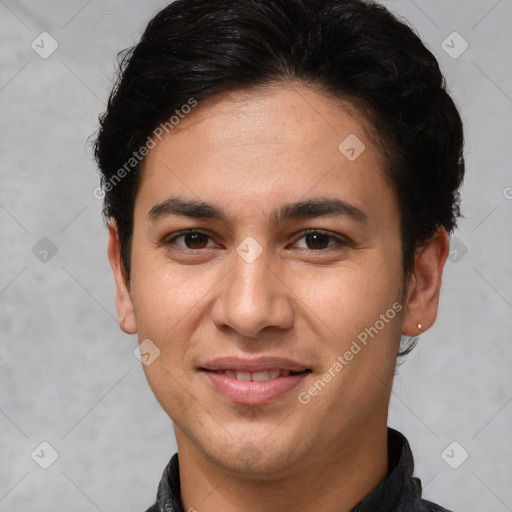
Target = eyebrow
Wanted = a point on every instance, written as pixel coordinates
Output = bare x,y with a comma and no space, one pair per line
309,208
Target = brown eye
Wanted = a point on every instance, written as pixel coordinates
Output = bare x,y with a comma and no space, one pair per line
193,240
317,241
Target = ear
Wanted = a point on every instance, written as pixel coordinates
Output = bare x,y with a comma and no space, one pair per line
124,305
425,284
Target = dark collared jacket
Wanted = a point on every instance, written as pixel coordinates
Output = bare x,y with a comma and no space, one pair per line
398,492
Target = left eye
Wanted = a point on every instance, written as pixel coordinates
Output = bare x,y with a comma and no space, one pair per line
318,240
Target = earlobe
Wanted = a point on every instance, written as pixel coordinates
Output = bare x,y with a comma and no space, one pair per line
425,284
124,305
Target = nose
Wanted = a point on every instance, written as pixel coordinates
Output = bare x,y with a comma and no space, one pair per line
253,297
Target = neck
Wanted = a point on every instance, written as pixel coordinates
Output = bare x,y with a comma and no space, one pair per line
332,481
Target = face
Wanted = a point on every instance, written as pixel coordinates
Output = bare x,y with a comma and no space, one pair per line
266,270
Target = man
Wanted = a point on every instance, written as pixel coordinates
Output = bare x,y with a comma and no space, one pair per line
280,177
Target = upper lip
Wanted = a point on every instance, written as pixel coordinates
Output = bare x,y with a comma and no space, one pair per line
253,365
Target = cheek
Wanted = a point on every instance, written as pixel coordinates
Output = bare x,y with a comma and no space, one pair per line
170,303
358,307
164,294
164,304
348,298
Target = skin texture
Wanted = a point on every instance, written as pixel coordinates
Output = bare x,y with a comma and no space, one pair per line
249,153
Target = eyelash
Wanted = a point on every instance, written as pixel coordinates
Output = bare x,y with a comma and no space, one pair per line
339,241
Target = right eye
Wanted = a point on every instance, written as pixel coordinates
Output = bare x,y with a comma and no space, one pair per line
191,239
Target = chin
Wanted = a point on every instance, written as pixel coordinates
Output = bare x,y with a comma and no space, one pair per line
258,460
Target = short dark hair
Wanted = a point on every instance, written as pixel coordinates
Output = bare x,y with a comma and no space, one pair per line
354,50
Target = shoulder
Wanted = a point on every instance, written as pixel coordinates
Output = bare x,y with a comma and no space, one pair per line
427,506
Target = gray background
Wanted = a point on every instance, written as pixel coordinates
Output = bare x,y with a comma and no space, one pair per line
68,374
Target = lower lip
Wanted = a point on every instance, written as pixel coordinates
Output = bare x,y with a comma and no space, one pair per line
253,392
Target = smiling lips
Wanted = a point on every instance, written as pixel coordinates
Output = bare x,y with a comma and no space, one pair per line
260,376
255,381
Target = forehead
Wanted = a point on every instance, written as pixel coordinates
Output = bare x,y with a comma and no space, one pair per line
265,146
273,114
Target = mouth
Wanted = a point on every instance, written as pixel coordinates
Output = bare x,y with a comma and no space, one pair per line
259,376
254,382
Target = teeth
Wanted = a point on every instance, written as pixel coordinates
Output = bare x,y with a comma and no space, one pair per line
256,376
260,376
243,376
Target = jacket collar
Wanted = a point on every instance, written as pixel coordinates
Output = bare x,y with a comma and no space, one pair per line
399,490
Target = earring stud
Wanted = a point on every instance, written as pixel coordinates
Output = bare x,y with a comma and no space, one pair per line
419,326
